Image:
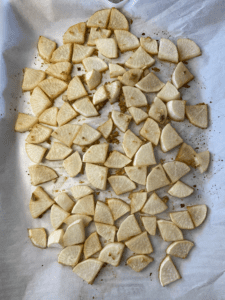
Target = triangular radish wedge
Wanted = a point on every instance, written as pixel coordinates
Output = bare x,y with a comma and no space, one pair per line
86,135
187,155
94,63
57,216
150,84
49,116
128,228
85,206
158,111
72,218
168,92
140,244
80,52
39,101
62,54
138,200
53,87
126,40
97,33
112,254
116,70
107,47
169,138
121,184
121,120
139,262
38,237
106,128
96,154
131,143
97,175
99,19
154,205
138,114
40,174
76,89
80,191
64,201
167,51
180,248
151,131
117,160
156,179
60,70
187,49
88,269
118,207
137,174
25,122
35,152
66,133
66,114
70,255
32,78
38,134
198,115
149,45
145,156
175,170
108,232
181,75
45,48
73,164
85,107
93,79
92,245
103,214
140,60
145,72
182,219
134,97
198,213
113,91
55,239
75,34
180,190
169,231
131,77
39,202
168,272
149,224
117,20
202,161
75,234
176,110
58,151
100,95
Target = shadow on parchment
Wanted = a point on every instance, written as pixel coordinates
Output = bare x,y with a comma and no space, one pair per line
13,222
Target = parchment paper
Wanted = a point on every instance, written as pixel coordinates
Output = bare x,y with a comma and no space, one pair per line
30,273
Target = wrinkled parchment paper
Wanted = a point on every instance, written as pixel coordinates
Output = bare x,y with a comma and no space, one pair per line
30,273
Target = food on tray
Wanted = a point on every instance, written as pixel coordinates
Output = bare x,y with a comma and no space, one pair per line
108,150
180,248
167,51
85,206
139,262
181,75
112,254
168,272
38,237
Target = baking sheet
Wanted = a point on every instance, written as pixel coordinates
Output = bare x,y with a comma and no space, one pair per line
31,273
